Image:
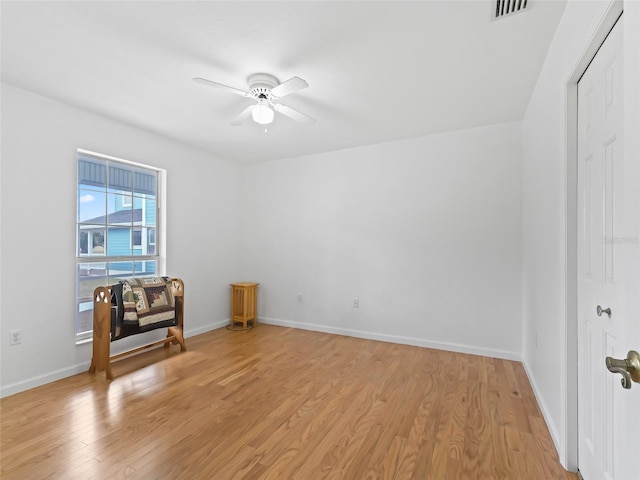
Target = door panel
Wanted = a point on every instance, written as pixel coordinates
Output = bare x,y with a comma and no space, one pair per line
608,270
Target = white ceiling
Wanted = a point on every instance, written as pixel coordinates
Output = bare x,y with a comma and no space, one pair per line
378,71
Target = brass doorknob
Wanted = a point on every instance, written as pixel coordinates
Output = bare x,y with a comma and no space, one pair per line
600,311
628,367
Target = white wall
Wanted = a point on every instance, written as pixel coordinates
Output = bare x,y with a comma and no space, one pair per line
425,232
38,200
548,330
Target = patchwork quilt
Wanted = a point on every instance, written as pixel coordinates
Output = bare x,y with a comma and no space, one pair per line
147,300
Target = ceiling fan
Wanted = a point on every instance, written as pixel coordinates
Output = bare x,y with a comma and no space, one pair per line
265,89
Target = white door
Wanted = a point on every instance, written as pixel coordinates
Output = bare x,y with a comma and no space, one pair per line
608,271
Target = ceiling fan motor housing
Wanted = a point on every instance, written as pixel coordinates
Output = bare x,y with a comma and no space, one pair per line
260,85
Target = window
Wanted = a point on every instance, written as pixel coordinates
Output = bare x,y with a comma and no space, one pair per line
151,241
116,228
136,238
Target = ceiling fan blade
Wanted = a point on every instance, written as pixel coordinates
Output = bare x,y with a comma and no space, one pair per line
246,113
293,114
210,83
292,85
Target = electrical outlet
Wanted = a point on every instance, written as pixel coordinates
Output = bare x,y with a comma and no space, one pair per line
300,297
356,303
15,337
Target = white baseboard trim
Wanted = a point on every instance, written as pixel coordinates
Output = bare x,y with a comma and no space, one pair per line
40,380
545,413
417,342
43,379
207,328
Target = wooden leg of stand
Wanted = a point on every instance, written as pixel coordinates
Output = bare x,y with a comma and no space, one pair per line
179,338
101,331
178,330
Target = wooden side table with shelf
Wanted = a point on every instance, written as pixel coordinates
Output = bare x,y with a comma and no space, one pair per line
244,303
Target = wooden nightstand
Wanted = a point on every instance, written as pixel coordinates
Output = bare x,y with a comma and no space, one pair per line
244,303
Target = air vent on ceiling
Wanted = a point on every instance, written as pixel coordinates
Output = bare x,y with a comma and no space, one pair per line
508,7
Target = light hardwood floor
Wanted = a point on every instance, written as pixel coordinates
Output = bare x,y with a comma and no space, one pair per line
281,403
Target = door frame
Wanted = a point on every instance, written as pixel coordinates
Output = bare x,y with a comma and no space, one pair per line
570,370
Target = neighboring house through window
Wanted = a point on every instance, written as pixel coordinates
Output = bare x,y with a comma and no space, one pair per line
117,228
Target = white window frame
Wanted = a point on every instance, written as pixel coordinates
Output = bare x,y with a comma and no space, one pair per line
160,231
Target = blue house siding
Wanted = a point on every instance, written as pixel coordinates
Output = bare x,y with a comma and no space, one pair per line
118,241
150,212
118,270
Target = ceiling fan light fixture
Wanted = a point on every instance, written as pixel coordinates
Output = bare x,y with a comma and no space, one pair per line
262,114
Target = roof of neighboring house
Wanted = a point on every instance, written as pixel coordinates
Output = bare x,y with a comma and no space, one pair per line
126,217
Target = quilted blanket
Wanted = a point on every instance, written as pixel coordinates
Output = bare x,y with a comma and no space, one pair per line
147,300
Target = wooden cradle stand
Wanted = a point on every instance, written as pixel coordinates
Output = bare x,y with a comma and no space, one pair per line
104,325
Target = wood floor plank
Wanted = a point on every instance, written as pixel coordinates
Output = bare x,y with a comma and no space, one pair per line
281,403
452,365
